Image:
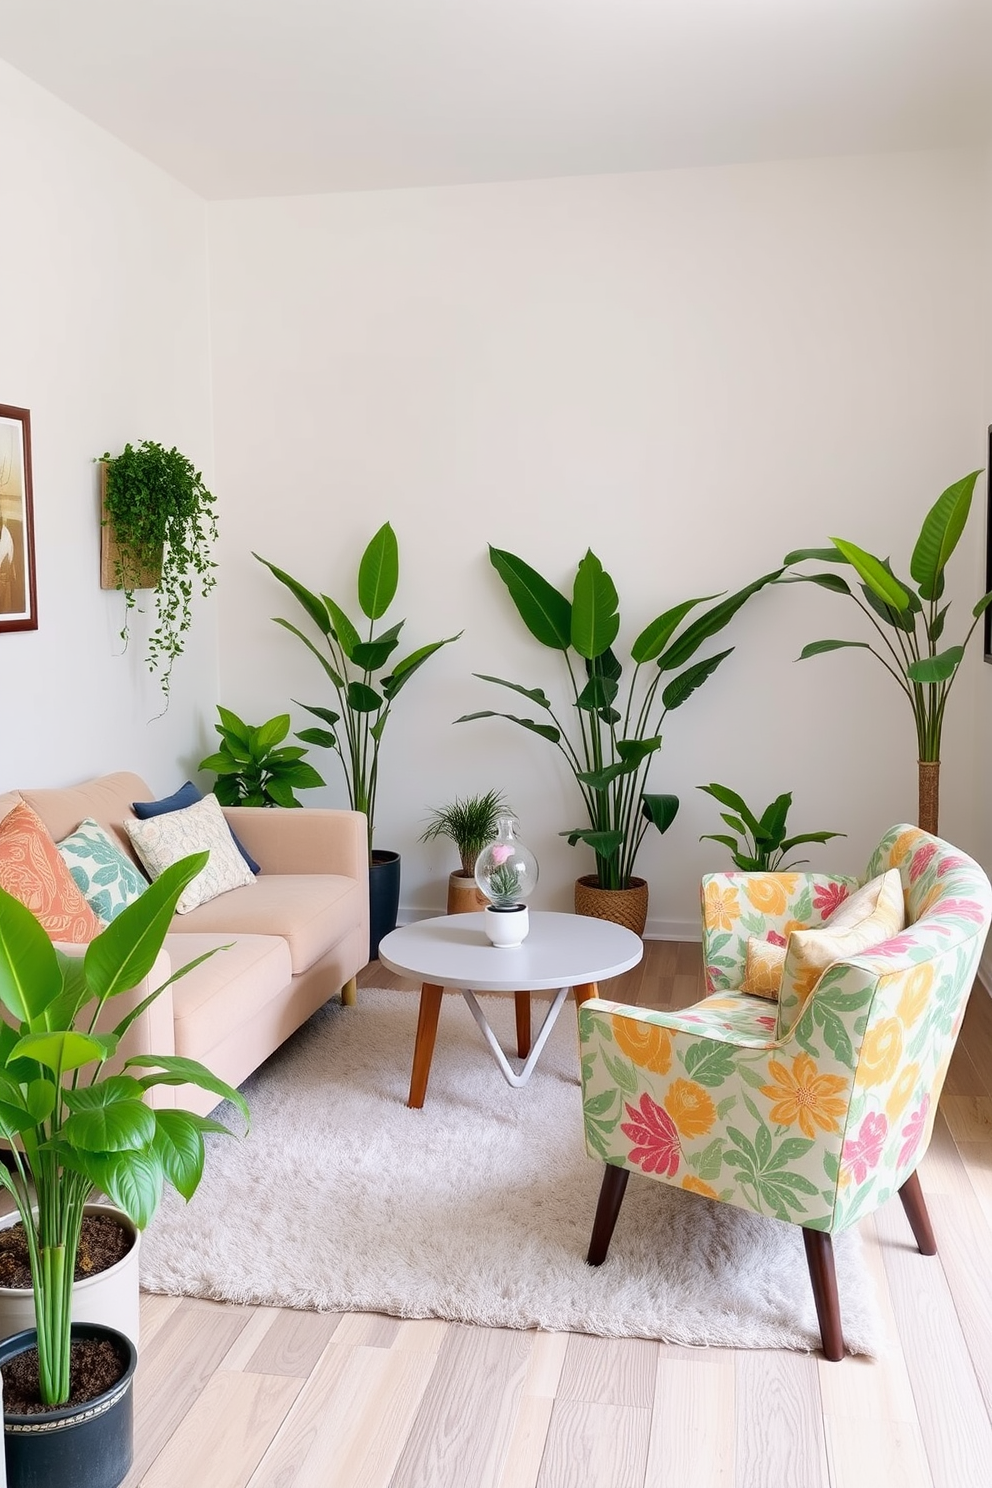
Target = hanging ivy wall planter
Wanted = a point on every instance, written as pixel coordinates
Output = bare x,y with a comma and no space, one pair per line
159,527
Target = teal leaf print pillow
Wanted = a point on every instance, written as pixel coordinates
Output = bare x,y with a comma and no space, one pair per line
105,875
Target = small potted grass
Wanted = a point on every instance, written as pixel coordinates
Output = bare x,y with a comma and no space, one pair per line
471,824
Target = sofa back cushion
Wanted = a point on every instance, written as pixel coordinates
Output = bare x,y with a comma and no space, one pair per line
107,800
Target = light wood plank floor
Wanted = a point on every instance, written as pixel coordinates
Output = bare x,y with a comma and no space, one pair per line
241,1397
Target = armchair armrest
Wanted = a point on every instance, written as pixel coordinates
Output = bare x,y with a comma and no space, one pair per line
309,839
736,906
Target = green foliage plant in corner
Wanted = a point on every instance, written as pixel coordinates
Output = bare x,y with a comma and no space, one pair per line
70,1126
356,667
157,506
763,843
611,739
908,624
254,767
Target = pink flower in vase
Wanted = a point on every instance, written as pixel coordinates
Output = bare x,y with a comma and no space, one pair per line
501,852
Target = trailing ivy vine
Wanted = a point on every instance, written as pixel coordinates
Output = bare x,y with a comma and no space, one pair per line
156,503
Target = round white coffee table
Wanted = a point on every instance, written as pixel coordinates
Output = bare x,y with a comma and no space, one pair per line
566,952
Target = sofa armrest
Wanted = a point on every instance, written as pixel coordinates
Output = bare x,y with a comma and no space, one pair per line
309,839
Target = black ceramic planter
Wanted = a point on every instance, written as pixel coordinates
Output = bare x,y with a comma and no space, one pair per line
78,1446
384,897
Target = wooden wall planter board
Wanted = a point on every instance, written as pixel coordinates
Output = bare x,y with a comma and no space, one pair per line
146,577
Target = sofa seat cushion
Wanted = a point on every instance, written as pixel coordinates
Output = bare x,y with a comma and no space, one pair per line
313,911
225,992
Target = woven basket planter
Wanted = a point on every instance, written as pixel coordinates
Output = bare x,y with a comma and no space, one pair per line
464,894
627,907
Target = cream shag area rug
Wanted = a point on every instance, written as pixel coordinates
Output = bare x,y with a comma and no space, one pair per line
477,1208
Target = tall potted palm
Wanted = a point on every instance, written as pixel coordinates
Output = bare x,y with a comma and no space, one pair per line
366,683
610,737
908,623
72,1127
471,826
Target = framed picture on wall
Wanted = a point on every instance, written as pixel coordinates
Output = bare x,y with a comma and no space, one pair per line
18,602
987,618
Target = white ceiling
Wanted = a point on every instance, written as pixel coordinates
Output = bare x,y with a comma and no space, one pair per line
277,97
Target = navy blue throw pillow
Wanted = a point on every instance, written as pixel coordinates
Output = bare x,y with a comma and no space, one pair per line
186,795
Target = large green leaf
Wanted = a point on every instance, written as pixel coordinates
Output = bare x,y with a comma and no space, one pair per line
595,608
817,555
125,952
982,604
310,601
363,699
655,637
371,655
817,648
771,826
404,670
942,527
898,619
347,636
378,573
336,679
603,843
268,735
30,977
681,688
546,613
874,573
110,1123
326,714
173,1069
536,694
634,751
131,1180
710,622
15,1114
178,1144
320,737
661,810
230,724
62,1050
936,668
546,730
830,581
598,694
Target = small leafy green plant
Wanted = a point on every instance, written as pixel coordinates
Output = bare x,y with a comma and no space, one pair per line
470,823
504,885
71,1127
351,663
611,740
254,767
156,497
763,843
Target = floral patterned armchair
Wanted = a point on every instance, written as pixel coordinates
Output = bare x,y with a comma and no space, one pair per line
815,1113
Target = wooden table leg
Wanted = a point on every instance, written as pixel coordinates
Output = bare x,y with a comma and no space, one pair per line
522,1006
423,1049
583,992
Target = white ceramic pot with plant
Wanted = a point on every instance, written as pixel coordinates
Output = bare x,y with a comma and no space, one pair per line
110,1296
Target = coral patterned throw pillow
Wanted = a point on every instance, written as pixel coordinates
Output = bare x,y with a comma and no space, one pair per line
32,870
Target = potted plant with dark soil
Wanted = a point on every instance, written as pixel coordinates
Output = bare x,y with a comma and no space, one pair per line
254,767
72,1128
365,690
159,527
470,824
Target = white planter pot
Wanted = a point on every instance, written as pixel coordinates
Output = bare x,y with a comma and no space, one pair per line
110,1297
507,928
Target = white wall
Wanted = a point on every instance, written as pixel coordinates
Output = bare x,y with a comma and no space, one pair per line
104,337
692,372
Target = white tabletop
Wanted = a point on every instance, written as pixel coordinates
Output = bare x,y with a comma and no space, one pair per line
561,950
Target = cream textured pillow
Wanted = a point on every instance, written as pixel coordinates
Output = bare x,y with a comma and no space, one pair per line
867,917
764,961
163,840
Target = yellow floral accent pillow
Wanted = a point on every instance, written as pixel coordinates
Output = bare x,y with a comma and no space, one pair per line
763,965
867,917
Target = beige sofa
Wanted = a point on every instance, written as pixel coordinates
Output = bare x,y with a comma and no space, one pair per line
297,935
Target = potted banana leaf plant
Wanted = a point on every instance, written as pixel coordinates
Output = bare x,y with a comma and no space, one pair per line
365,682
71,1127
613,731
908,623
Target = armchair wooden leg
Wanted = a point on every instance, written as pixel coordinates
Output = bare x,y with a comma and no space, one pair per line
349,993
916,1212
610,1198
820,1260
